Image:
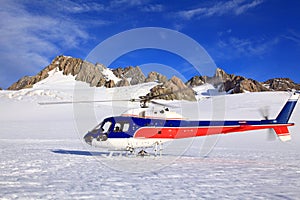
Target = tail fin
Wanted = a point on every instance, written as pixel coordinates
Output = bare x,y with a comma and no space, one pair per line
284,116
287,110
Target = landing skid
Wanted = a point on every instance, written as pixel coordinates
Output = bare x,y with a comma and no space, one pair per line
131,152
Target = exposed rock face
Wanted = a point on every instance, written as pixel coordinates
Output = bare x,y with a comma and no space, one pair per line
0,88
156,77
90,74
124,82
25,82
68,65
135,74
241,84
110,84
281,84
181,91
196,81
82,70
228,82
29,81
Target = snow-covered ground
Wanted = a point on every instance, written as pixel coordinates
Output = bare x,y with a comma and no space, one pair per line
43,155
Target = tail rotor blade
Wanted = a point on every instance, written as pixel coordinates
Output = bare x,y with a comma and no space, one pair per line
271,135
265,112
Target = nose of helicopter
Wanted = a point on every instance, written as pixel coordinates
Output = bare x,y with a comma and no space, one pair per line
88,138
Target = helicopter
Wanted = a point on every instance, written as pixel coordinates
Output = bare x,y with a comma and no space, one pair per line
144,128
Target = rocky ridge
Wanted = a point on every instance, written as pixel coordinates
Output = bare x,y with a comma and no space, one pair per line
281,84
233,84
99,75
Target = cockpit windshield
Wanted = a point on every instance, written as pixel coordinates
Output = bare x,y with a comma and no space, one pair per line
103,127
106,126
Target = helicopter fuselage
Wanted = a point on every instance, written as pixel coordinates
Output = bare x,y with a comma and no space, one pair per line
128,132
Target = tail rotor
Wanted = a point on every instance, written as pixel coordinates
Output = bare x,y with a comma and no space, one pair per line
265,113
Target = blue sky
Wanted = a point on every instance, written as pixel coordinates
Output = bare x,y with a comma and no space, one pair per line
259,39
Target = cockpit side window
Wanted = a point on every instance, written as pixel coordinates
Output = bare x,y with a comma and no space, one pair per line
125,127
117,127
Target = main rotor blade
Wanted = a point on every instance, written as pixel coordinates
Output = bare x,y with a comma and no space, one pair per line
162,104
97,101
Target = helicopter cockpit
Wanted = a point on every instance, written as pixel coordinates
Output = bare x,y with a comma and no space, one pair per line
109,127
100,132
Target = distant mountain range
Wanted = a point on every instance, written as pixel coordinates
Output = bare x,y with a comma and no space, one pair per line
98,75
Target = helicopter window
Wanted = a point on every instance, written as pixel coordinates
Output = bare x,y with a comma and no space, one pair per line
125,127
121,127
106,126
117,127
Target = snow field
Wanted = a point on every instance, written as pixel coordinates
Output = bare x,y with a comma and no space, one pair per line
43,155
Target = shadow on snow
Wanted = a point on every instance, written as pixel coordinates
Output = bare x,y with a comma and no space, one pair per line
79,153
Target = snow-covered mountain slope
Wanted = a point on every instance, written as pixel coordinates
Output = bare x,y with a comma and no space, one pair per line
59,87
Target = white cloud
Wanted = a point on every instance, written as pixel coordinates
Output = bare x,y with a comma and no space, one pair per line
153,8
29,38
246,47
235,7
140,5
243,8
74,7
293,36
126,3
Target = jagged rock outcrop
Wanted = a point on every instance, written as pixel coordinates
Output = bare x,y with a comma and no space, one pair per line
66,64
90,74
135,74
219,78
281,84
241,84
25,82
82,70
196,81
156,77
229,83
110,84
173,89
122,83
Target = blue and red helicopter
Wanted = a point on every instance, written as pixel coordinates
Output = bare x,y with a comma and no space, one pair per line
143,127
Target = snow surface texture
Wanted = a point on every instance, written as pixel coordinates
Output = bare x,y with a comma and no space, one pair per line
43,155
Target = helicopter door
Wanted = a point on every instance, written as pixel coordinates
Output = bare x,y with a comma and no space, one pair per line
121,127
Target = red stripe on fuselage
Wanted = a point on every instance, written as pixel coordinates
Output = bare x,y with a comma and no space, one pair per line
186,132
